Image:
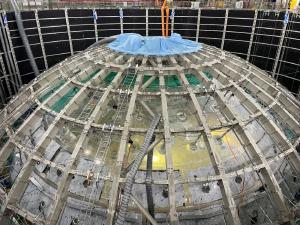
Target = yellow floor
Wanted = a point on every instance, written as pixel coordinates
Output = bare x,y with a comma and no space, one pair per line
184,159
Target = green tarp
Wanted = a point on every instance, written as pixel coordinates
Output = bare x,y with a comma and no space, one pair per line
23,117
192,79
172,81
208,75
109,78
52,90
154,84
90,76
63,101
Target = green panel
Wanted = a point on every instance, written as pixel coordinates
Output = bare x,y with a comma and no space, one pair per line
146,78
208,75
172,81
192,79
62,102
289,133
129,80
24,116
52,90
90,76
109,78
154,86
3,139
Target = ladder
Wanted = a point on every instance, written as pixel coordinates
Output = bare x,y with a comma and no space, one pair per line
122,108
105,140
129,79
89,107
103,146
124,96
102,150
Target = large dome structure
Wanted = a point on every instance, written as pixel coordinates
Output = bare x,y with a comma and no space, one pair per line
106,137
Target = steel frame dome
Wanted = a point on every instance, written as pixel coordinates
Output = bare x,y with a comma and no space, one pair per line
226,132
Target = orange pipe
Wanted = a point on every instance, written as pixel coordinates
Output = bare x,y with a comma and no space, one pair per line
162,21
164,4
167,22
165,19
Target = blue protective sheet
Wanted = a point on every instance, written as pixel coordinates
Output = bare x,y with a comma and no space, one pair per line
136,44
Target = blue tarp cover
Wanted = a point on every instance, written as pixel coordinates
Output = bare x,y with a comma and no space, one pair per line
136,44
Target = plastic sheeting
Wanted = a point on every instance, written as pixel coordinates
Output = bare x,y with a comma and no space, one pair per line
136,44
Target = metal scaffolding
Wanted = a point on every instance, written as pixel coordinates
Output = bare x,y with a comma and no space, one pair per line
224,152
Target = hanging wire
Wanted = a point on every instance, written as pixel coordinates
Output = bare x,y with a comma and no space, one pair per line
258,174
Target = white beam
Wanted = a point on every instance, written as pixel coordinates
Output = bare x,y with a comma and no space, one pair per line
69,31
41,38
121,153
252,35
169,161
231,213
225,28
